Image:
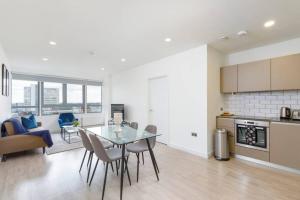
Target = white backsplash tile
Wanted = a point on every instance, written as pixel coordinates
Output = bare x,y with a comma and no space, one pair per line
261,104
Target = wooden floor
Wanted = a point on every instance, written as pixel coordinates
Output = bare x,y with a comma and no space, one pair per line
182,176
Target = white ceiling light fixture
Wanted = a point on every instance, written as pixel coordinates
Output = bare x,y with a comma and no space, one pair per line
269,23
45,59
168,39
123,60
224,37
102,68
52,43
242,33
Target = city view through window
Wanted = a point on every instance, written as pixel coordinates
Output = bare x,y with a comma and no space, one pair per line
55,98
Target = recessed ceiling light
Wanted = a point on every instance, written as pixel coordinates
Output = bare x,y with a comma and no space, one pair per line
123,60
52,43
45,59
242,33
224,37
102,68
269,23
168,39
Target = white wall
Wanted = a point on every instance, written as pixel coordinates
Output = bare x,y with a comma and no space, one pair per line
187,75
5,102
265,52
215,59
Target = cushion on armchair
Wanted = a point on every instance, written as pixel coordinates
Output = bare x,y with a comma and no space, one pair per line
66,119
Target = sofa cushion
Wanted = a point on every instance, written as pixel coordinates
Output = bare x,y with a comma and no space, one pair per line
18,127
29,122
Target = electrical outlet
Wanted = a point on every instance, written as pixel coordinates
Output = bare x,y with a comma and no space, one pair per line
194,134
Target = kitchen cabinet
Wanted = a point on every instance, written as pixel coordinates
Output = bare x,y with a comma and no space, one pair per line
285,144
285,72
228,124
253,153
254,76
229,79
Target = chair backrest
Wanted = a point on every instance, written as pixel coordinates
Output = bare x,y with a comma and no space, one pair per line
151,129
134,125
85,140
67,117
99,148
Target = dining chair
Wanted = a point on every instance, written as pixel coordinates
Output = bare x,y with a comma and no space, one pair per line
134,125
107,156
89,148
142,146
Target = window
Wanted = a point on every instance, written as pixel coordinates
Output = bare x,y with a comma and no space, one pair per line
94,98
44,95
25,96
53,93
74,94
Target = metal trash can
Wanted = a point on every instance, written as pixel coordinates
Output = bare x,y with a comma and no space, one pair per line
221,145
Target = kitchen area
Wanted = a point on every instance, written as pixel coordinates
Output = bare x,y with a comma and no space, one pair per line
262,111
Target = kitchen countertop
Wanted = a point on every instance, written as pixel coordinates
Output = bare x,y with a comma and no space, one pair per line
270,119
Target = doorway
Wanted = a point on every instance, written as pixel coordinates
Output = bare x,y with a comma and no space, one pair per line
159,107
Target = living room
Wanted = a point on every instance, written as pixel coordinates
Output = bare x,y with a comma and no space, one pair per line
149,100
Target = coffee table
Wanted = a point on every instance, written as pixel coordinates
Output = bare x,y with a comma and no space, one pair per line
69,130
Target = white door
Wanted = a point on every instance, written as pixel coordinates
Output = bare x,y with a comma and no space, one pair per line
159,107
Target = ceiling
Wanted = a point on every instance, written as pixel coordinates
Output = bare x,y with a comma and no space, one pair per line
95,34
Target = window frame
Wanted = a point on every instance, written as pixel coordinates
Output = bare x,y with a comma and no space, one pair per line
64,81
38,99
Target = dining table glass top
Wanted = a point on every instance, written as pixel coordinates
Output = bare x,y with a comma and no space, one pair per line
120,135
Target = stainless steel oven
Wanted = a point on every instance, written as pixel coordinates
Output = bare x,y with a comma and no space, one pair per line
252,134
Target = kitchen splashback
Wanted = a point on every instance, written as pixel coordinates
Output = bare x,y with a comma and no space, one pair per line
262,104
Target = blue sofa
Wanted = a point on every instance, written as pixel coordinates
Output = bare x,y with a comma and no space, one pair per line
66,119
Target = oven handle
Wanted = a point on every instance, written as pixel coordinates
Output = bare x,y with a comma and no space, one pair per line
243,126
259,128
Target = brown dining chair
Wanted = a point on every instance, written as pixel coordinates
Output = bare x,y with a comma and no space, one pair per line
89,148
107,156
141,146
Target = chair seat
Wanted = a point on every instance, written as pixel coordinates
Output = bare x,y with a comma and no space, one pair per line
137,147
66,124
106,144
115,154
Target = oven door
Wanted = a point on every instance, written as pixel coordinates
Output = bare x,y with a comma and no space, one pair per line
241,134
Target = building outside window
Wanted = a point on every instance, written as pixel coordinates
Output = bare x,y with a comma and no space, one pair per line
25,96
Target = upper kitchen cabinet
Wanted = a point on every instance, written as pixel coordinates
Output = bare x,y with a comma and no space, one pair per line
229,79
254,76
285,72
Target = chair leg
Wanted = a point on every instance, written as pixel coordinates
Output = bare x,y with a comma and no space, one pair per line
104,183
91,160
137,167
117,167
44,150
82,160
156,166
3,159
88,162
112,167
126,161
143,158
94,172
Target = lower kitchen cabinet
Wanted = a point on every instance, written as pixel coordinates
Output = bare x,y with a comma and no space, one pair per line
253,153
285,144
228,124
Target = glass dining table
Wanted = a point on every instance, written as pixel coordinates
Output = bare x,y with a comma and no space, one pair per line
121,137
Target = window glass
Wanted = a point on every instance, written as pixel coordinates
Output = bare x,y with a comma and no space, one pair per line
93,94
53,93
25,96
74,93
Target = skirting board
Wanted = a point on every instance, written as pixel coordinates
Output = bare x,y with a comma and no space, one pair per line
268,164
175,146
